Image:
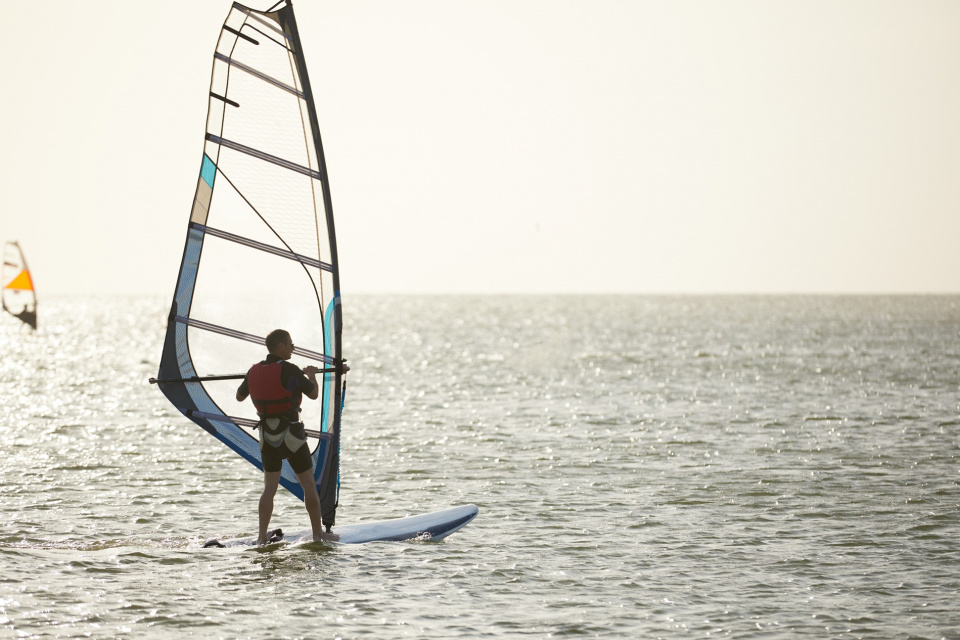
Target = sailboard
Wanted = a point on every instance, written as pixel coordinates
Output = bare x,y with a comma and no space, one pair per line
426,527
19,298
260,252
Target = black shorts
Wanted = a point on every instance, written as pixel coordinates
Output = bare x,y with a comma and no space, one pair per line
273,458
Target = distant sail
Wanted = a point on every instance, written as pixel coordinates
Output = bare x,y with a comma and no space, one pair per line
19,297
260,250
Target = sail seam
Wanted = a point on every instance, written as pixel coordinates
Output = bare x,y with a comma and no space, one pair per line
257,74
254,244
286,164
249,337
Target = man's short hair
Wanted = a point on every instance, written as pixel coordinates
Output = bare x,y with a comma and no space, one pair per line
275,338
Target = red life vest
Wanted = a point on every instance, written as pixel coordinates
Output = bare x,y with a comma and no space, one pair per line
268,394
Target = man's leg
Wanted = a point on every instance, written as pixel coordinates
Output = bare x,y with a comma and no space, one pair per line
312,502
271,480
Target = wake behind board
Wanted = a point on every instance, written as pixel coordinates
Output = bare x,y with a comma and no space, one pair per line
428,526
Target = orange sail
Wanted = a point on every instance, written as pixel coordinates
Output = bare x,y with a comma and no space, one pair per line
22,282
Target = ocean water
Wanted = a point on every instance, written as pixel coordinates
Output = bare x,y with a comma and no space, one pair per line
645,467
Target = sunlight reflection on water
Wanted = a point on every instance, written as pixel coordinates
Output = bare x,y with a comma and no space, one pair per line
775,466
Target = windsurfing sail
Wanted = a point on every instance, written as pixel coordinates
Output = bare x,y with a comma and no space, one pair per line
260,251
19,297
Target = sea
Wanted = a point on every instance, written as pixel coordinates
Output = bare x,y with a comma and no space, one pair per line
645,467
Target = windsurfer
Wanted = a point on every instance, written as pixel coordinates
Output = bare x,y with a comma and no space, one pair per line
277,387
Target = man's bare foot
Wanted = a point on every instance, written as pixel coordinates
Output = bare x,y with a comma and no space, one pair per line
331,536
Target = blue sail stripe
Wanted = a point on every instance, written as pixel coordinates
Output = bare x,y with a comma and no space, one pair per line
327,377
208,170
188,271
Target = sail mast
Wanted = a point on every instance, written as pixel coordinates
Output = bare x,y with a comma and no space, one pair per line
327,484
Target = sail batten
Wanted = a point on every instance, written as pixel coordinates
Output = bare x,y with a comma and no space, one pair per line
254,72
262,246
228,101
240,35
262,194
262,155
233,333
246,422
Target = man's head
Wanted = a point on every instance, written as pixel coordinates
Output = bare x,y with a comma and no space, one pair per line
279,343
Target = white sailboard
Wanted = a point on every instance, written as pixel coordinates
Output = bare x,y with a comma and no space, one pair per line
261,251
427,527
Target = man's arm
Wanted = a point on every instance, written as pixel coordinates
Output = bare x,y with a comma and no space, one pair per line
311,373
243,391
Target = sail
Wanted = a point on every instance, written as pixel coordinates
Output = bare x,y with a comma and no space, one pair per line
260,250
19,297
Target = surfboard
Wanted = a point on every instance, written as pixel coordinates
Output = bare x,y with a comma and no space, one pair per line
427,527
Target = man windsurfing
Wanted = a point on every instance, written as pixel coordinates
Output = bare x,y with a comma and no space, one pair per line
277,387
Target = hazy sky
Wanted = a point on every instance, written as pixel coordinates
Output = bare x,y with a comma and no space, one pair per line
515,146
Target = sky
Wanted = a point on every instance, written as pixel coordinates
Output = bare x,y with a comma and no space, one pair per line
514,146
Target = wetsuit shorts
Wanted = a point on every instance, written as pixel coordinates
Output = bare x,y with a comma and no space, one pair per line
273,458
